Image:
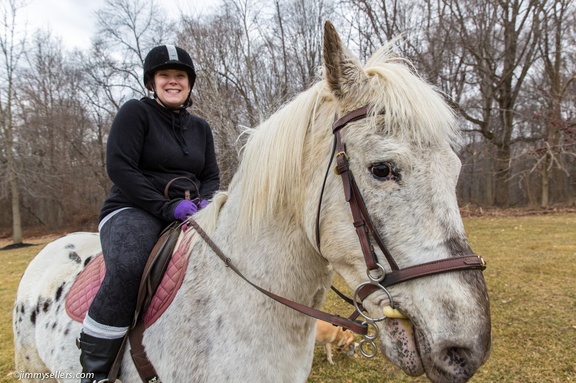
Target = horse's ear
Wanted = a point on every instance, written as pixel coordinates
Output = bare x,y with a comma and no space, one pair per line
342,70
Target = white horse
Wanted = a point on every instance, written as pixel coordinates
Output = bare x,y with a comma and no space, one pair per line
221,329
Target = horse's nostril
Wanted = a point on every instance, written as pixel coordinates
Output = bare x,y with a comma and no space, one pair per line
457,357
457,362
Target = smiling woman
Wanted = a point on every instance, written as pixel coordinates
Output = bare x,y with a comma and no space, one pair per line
169,73
172,88
162,162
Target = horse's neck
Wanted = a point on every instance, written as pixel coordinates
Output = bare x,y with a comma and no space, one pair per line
217,311
280,256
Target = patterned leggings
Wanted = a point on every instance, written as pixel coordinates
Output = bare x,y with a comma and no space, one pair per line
127,240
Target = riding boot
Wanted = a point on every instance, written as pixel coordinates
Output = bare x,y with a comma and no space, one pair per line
97,356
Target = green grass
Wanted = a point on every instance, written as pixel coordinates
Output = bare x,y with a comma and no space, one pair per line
531,277
12,265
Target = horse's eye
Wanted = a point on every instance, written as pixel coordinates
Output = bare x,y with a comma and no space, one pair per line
385,171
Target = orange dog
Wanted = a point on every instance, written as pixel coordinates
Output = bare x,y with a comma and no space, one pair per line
328,335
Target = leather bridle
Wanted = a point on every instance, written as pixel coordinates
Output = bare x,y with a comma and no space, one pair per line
365,228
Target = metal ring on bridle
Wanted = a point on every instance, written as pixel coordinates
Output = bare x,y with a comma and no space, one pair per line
359,309
376,279
369,340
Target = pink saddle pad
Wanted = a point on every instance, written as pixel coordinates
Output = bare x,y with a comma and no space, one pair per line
88,283
85,288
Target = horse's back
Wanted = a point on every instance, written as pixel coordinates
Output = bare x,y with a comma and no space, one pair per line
43,332
55,265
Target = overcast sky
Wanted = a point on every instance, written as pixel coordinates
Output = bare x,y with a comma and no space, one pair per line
74,21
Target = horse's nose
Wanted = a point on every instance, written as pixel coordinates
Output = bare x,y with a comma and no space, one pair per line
456,364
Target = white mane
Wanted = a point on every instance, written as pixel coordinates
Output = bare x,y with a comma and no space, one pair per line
272,159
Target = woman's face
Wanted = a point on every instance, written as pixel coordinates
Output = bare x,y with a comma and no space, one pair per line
172,87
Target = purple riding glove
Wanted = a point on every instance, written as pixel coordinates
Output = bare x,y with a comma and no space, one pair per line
202,204
184,209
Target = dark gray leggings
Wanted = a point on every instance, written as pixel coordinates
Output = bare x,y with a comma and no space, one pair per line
127,239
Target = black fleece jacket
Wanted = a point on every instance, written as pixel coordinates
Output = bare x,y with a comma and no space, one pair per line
150,145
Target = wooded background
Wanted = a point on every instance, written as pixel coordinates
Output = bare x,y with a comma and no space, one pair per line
506,66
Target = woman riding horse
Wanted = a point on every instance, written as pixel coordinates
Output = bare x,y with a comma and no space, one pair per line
152,141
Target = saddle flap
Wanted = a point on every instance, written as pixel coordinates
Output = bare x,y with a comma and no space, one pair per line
156,266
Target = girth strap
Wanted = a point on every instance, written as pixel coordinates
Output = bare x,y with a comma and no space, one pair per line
143,365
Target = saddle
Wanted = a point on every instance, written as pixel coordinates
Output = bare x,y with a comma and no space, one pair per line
161,279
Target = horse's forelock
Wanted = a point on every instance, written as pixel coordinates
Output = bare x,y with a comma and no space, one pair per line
413,110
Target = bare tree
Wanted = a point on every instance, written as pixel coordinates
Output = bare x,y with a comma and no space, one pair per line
498,41
554,85
127,30
507,66
12,49
55,136
251,57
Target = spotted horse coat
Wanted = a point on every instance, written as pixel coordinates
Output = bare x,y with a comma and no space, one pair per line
41,304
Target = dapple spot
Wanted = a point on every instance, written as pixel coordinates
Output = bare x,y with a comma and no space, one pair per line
74,256
87,261
33,317
70,246
59,291
46,305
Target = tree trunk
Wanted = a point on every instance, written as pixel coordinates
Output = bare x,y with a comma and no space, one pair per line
502,176
545,197
14,189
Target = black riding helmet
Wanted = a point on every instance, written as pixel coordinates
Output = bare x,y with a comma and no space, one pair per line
168,57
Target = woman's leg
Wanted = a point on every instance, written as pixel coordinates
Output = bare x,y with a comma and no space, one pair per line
127,240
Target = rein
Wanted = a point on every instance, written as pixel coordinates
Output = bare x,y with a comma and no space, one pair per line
350,324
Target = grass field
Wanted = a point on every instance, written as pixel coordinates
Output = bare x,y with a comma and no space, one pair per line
531,277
